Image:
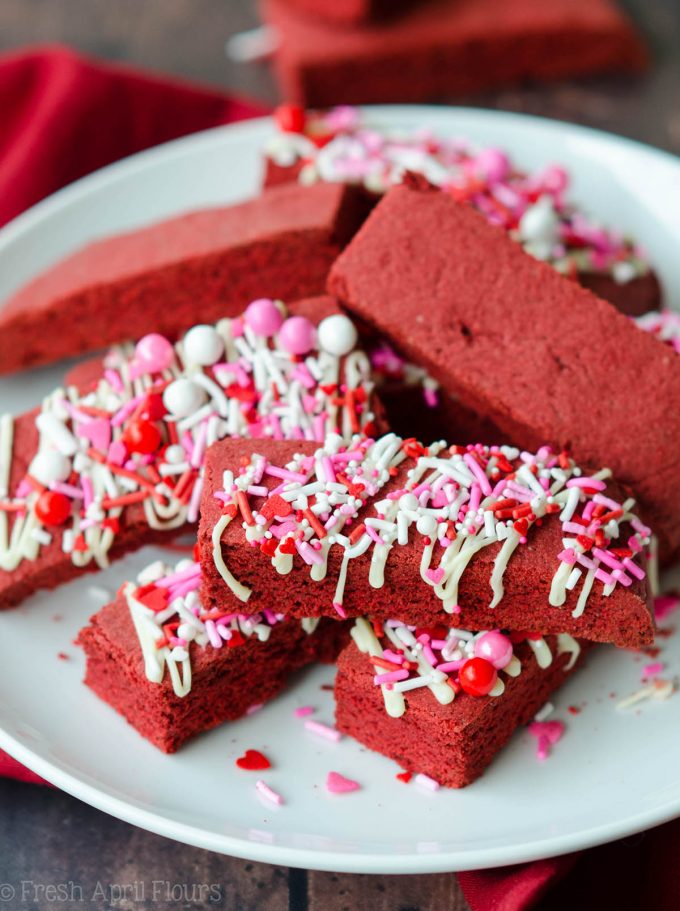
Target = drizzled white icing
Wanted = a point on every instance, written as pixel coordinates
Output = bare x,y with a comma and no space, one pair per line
453,504
170,620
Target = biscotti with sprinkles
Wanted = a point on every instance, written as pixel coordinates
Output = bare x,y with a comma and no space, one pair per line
542,358
480,537
447,725
118,463
343,145
162,278
174,670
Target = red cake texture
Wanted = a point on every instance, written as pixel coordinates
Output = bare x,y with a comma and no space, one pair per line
451,744
542,358
343,145
158,278
117,462
232,533
448,47
225,681
350,12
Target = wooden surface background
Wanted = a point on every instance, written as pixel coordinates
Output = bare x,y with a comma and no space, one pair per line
48,838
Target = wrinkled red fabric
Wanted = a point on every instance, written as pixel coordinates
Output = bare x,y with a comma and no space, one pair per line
64,115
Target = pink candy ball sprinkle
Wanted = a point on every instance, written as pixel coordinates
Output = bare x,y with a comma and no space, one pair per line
154,352
495,648
493,164
263,317
297,335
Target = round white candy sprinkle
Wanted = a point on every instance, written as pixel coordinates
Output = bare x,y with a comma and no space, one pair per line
183,397
408,501
203,345
540,222
49,466
427,525
337,335
175,454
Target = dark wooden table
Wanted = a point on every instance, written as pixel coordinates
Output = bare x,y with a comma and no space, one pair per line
58,853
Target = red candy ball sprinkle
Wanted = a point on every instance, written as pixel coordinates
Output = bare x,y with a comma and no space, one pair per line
142,436
290,118
477,677
53,508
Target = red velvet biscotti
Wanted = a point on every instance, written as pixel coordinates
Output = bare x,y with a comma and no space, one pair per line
448,47
542,358
165,277
118,462
173,670
473,536
449,724
343,146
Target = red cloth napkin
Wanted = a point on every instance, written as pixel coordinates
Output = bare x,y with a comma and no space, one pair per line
64,115
636,873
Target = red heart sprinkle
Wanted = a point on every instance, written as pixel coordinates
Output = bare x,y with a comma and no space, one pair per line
288,546
405,776
229,509
268,546
253,761
521,526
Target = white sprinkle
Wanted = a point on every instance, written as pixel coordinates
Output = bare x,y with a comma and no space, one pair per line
544,712
426,782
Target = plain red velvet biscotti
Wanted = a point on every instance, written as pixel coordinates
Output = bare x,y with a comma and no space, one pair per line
448,47
542,358
174,671
164,278
468,536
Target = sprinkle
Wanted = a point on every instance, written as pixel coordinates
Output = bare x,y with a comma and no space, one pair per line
338,784
426,782
303,710
547,734
268,793
323,730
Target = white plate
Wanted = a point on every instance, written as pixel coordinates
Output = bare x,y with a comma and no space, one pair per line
612,774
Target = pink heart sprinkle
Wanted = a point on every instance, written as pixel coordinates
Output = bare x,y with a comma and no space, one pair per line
435,575
338,784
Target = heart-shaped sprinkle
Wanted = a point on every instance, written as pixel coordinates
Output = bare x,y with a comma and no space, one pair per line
521,526
435,575
405,776
253,761
287,546
338,784
229,509
268,546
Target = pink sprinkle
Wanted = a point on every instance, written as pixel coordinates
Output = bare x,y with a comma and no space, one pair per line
303,710
590,483
338,784
547,734
268,793
285,474
427,782
652,670
390,677
665,605
323,730
340,610
435,575
254,708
